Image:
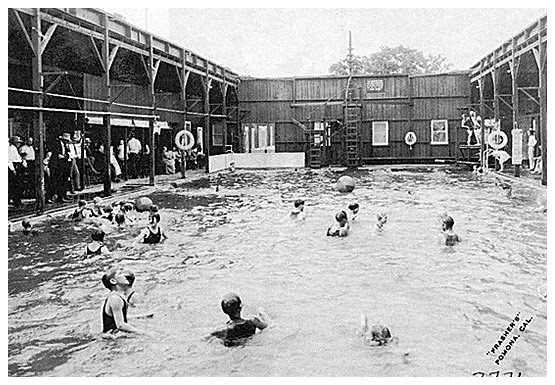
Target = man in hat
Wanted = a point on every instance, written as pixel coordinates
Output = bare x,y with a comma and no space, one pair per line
15,164
61,167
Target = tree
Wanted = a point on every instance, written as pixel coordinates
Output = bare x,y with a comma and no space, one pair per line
390,61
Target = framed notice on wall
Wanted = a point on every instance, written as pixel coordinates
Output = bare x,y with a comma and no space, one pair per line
375,87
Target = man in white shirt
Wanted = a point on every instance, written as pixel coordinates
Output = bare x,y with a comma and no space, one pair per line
134,148
532,141
27,152
15,163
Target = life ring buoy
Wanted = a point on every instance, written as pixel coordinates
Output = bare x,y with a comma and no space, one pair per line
189,140
497,140
410,138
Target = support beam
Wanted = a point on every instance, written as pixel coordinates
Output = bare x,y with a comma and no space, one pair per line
47,37
152,163
38,129
31,43
207,131
106,85
543,108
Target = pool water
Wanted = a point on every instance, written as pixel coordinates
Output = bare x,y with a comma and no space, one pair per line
446,305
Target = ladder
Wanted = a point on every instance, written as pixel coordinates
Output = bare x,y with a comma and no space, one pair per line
352,111
315,151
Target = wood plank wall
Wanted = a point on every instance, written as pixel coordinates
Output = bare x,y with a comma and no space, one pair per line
432,97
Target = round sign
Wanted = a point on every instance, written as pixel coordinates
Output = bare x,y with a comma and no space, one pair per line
410,138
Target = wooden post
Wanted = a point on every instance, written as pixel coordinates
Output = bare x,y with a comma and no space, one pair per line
516,112
207,130
183,77
483,159
543,108
38,129
107,108
152,162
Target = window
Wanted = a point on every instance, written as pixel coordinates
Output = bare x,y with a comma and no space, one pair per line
259,137
380,133
218,134
439,132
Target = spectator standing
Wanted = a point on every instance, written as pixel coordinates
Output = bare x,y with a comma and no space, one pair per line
15,164
134,149
60,165
27,153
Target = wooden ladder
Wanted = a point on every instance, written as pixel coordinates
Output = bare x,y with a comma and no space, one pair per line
315,152
352,111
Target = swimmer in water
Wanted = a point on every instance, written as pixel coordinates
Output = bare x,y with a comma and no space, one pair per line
353,211
381,221
377,335
27,227
237,328
96,247
298,211
154,233
341,228
450,238
82,211
114,310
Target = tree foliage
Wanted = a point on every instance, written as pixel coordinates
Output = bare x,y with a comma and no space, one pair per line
391,61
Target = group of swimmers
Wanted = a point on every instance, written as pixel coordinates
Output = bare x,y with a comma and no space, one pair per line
343,219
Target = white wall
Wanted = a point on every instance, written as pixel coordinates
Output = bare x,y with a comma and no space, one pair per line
257,160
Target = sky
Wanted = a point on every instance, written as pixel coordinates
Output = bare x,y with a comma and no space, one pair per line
298,41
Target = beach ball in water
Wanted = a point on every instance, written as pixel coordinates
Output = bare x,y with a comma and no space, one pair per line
345,184
143,204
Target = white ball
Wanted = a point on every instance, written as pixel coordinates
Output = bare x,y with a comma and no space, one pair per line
345,184
143,204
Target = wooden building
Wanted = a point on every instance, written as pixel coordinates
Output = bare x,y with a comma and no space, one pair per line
509,85
88,71
312,114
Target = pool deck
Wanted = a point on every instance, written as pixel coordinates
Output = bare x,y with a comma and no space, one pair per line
120,190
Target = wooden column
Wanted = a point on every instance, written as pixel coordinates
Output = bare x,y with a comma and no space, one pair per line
207,130
224,109
543,108
481,85
107,107
516,113
152,75
183,77
38,124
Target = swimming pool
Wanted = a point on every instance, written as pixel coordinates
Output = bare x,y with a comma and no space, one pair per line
447,305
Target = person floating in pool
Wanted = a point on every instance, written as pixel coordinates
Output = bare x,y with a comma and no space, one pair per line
450,237
353,211
298,211
341,227
237,328
154,233
114,310
377,335
96,247
81,212
27,227
381,221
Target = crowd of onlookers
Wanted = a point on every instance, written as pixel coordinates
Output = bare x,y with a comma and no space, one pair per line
70,156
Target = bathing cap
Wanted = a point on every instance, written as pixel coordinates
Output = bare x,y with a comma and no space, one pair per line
299,202
340,216
231,304
98,235
353,206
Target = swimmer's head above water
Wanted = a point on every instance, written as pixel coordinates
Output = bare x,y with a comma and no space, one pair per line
341,217
98,235
354,207
232,305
